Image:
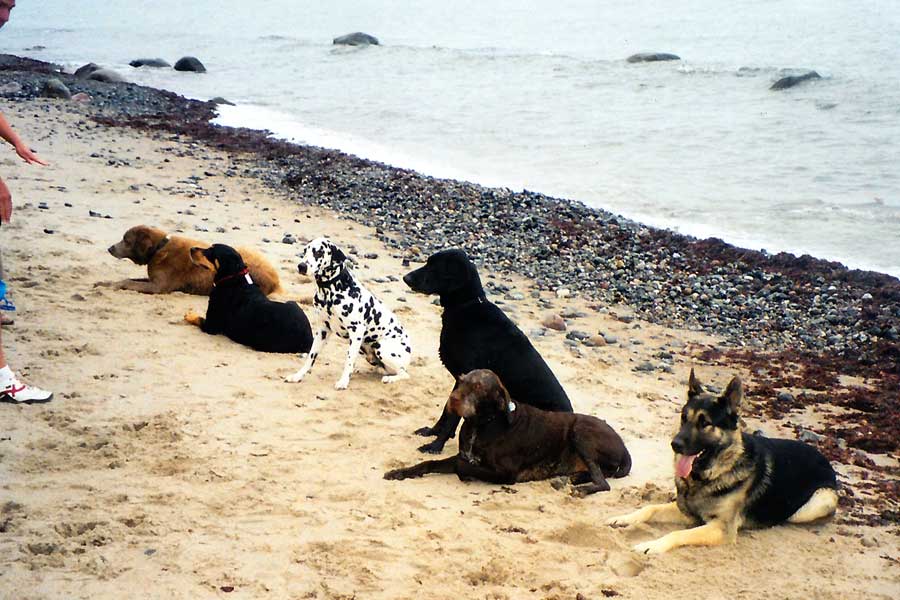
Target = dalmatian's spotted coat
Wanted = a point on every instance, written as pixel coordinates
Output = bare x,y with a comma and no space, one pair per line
348,309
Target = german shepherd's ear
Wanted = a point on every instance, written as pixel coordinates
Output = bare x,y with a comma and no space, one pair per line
733,394
694,387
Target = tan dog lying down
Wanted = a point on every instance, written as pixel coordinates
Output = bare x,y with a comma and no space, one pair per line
169,266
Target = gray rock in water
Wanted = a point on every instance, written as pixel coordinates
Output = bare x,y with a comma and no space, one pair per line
652,57
54,88
83,71
106,75
792,80
356,39
149,62
221,100
190,63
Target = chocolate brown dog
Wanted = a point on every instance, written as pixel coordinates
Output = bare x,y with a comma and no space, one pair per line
502,441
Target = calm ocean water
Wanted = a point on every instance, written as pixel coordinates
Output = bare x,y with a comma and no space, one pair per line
538,95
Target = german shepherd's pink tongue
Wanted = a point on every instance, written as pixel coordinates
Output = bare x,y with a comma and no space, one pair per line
684,464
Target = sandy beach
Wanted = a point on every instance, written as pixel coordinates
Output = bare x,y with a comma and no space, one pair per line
173,464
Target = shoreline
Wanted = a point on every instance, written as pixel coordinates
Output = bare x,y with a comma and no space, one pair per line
182,464
802,310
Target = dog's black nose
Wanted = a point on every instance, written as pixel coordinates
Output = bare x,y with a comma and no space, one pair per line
302,268
112,249
678,446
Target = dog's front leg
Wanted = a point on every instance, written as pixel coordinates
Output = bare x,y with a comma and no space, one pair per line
352,353
445,465
710,534
659,513
318,342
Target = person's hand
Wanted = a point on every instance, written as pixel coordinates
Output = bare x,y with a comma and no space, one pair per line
29,156
5,203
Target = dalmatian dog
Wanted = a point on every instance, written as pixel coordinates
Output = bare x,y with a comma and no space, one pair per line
348,309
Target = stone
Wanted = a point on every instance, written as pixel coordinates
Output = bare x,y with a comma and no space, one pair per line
785,397
149,62
82,97
810,436
106,76
356,39
515,296
595,341
652,57
644,367
83,71
792,80
554,322
563,293
610,338
577,335
220,100
54,88
190,63
13,87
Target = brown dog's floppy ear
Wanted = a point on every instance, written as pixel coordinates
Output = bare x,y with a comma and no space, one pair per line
142,249
694,387
733,394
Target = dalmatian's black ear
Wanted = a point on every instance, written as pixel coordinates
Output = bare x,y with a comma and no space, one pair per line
337,256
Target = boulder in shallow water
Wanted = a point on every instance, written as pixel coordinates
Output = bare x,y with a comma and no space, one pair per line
792,80
356,39
190,63
83,71
221,100
106,76
652,57
54,88
149,62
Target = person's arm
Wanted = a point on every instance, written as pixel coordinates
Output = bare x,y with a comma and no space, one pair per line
22,149
5,203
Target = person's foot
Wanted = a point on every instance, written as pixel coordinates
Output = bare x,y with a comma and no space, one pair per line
6,319
21,393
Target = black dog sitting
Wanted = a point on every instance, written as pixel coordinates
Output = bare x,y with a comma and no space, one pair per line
239,309
476,334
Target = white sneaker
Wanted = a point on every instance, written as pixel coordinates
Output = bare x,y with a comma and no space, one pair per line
20,393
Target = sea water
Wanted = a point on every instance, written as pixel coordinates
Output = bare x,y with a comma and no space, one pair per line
538,95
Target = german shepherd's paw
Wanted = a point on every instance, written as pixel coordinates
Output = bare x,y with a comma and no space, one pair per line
652,547
631,518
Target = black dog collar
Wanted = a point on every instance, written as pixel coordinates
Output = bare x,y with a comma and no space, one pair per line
481,299
159,246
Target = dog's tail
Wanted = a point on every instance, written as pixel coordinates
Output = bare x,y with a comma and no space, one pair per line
624,466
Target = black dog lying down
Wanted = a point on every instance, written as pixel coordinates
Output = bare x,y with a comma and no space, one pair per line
239,309
504,442
476,334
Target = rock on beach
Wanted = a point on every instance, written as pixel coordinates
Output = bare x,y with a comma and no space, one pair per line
83,71
106,76
54,88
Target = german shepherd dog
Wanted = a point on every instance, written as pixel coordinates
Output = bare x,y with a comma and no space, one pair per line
726,479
